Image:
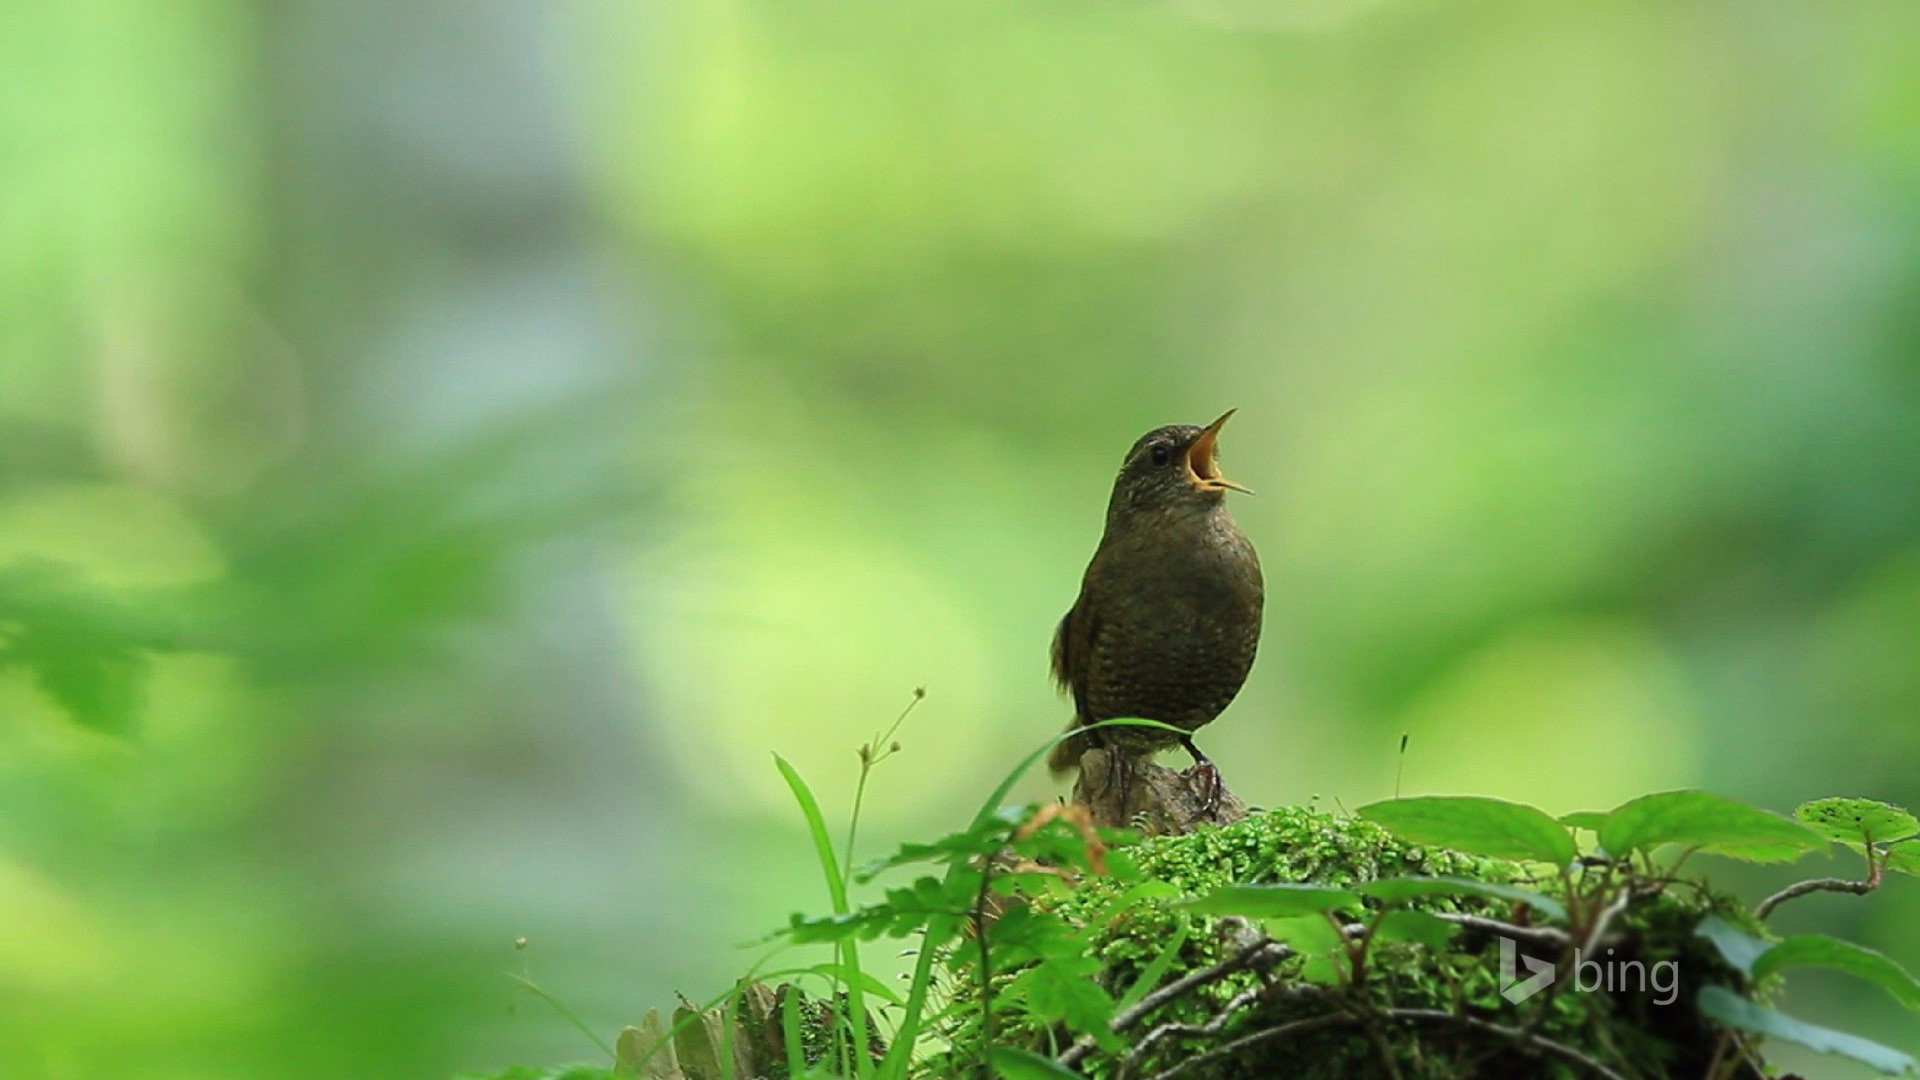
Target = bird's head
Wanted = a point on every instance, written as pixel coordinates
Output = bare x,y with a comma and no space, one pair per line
1172,468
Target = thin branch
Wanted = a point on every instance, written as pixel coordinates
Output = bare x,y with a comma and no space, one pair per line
1607,915
1248,1042
1545,937
1262,952
1191,981
1830,884
1212,1026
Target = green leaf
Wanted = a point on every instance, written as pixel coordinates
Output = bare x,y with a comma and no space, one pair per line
1069,990
1015,1064
1732,1010
1739,948
1903,858
1709,822
1272,901
1395,889
817,830
1857,820
87,651
837,892
984,838
1321,947
98,686
1819,950
868,923
1584,819
792,1037
1419,927
1477,825
1022,935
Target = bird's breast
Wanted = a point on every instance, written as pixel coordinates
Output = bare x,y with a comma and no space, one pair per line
1179,620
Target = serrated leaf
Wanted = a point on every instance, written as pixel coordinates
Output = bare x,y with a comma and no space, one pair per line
1739,948
1709,822
1820,950
1419,927
1022,935
1016,1064
1857,820
1272,901
1395,889
866,923
986,837
1731,1010
1477,825
1068,989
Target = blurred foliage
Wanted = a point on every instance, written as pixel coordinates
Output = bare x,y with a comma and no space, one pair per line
444,449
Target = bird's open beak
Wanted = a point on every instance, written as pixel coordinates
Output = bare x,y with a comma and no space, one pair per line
1204,463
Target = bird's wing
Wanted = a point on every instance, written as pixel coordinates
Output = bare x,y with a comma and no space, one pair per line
1073,648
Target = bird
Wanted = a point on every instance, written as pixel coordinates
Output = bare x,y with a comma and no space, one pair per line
1167,620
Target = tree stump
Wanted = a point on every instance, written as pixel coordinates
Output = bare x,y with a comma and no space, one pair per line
1135,793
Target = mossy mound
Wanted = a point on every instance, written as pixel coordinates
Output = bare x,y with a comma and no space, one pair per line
1427,1003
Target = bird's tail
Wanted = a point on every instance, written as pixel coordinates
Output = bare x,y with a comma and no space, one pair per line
1066,753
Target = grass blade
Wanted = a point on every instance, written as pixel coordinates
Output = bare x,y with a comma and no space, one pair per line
572,1017
1151,975
837,893
796,1046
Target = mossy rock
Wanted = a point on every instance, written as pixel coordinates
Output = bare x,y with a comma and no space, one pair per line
1402,1018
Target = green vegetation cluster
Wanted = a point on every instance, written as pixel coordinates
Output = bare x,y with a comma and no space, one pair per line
1411,940
1420,937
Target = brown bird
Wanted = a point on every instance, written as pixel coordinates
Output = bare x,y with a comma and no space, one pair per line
1168,615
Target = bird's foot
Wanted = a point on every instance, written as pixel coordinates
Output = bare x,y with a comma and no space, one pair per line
1204,779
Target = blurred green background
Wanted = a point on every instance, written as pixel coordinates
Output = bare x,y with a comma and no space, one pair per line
446,448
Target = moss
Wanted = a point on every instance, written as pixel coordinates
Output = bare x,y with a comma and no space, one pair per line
1629,1026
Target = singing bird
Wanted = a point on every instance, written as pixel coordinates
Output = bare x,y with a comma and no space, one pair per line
1168,615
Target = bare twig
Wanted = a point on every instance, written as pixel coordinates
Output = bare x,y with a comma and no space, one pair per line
1807,888
1213,1026
1605,919
1262,952
1191,981
1248,1042
1545,937
1719,1055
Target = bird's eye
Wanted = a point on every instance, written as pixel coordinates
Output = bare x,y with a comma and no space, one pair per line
1161,454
